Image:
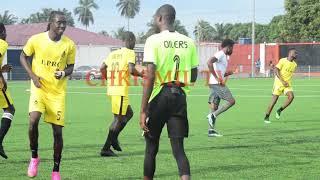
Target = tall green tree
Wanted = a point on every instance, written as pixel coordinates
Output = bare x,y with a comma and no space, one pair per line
153,29
128,9
221,31
203,31
6,18
44,14
120,33
84,12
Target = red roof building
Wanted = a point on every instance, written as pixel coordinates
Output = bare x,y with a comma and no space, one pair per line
18,34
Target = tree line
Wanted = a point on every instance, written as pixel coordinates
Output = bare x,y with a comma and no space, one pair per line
300,23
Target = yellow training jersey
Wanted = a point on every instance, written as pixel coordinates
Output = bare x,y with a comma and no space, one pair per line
287,69
118,71
48,57
3,50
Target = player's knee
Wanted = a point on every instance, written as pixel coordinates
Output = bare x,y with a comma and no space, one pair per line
57,133
291,97
11,110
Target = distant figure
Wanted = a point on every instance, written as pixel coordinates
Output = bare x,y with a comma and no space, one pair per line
271,69
283,83
258,64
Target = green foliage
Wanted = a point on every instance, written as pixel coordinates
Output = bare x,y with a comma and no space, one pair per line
128,8
84,11
6,18
44,14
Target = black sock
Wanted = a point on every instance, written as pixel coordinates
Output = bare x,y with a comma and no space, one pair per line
34,153
267,116
5,125
56,166
110,138
280,109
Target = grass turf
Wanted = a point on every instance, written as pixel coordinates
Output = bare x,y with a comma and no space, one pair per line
285,149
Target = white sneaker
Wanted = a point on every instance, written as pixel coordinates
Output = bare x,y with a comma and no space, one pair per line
211,120
267,121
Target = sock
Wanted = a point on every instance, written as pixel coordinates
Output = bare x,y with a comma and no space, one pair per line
280,109
34,153
56,166
267,116
5,125
107,144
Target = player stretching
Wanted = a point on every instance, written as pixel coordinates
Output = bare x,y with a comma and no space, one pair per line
218,65
116,68
53,59
6,102
283,83
172,55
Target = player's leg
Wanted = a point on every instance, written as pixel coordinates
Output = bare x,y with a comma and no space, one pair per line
214,101
119,125
181,158
225,94
33,138
8,112
270,107
106,151
57,146
290,97
149,166
7,117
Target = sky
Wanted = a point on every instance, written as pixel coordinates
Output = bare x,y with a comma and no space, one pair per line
108,18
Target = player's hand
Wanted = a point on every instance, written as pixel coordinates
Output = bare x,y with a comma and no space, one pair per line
59,74
36,81
143,121
228,73
221,82
286,84
6,68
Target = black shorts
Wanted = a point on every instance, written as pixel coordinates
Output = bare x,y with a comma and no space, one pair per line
168,107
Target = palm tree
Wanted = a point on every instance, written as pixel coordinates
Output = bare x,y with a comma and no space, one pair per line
84,11
221,31
7,18
43,16
119,34
128,8
204,31
103,32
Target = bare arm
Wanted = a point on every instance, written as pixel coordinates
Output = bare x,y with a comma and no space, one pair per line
133,71
277,72
103,70
26,65
147,90
216,75
194,75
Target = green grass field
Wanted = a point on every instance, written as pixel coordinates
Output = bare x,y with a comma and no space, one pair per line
249,149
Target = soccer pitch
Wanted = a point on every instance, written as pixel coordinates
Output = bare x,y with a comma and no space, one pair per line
285,149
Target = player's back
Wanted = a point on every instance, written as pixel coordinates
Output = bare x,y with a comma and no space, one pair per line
3,50
118,71
173,53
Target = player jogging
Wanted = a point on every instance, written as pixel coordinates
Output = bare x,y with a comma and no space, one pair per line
283,83
218,65
53,59
6,102
172,55
117,67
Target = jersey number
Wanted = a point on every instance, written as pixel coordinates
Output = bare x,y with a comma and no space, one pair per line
176,59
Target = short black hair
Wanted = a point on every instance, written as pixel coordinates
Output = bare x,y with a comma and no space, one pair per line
227,42
167,12
291,49
2,28
52,16
129,36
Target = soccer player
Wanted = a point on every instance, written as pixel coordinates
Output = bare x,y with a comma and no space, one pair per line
6,102
218,65
53,60
173,57
283,83
116,68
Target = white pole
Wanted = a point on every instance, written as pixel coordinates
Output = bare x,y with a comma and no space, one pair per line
253,38
309,71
